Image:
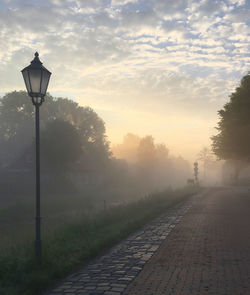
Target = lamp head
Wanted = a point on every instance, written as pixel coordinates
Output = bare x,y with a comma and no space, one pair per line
36,78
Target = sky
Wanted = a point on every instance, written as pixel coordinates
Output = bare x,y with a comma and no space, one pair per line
150,67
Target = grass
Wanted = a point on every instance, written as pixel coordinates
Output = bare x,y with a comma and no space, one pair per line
68,247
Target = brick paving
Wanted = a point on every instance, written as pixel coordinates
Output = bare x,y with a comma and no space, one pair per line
113,272
208,252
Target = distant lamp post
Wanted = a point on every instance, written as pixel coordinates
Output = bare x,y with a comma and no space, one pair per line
196,171
36,78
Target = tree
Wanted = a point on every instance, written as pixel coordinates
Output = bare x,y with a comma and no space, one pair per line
146,153
128,148
17,124
233,139
60,145
161,152
205,156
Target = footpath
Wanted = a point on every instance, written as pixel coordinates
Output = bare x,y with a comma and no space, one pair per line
208,252
112,273
199,247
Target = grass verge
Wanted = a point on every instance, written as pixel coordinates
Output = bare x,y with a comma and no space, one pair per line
69,247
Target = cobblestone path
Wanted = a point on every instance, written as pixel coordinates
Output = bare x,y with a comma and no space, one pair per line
208,252
113,272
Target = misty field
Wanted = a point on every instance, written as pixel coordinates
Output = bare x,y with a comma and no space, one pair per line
70,238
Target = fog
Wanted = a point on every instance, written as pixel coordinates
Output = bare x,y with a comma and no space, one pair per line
151,163
142,74
138,119
82,172
77,159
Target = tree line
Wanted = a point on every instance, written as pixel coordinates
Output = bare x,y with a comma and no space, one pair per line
232,142
152,161
70,132
73,139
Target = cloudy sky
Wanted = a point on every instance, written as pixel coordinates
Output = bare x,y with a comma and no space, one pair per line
159,67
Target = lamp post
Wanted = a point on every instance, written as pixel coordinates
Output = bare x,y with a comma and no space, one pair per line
196,172
36,78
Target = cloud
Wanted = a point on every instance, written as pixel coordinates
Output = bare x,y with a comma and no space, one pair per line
211,8
171,8
122,2
183,55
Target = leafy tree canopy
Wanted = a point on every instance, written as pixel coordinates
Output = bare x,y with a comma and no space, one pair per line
60,144
146,152
233,138
140,150
17,123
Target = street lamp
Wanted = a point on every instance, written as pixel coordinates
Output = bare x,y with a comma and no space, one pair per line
196,172
36,78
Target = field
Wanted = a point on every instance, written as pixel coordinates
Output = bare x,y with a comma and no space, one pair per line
74,231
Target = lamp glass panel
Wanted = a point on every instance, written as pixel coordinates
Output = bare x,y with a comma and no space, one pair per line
26,80
45,81
35,80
